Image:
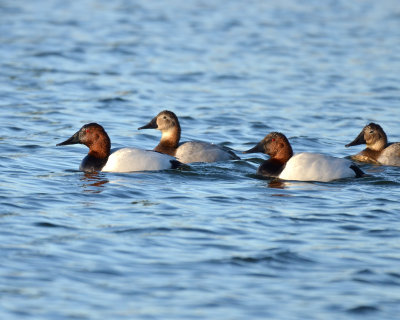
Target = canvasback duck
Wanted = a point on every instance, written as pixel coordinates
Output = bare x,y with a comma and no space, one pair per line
187,152
102,158
378,150
302,166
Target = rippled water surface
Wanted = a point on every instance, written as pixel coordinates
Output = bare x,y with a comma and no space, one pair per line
213,241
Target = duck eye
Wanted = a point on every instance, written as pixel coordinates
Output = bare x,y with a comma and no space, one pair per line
165,118
372,131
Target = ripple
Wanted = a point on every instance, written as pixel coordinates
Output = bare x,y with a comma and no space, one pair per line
351,228
144,230
50,225
45,54
363,309
279,258
166,230
384,233
111,100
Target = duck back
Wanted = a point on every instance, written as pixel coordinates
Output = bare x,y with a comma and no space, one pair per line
390,155
198,151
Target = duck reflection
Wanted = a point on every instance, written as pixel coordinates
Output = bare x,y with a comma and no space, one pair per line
93,182
276,184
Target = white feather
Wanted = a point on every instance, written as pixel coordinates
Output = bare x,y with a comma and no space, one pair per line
316,167
132,159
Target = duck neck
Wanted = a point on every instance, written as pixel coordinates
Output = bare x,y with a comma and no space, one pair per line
283,155
378,145
100,149
276,163
169,139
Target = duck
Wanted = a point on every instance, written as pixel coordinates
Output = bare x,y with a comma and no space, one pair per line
186,152
102,158
378,150
305,166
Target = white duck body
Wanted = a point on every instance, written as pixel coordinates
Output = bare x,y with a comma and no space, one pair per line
316,167
390,156
132,159
198,151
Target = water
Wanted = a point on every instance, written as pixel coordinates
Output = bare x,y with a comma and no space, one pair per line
213,241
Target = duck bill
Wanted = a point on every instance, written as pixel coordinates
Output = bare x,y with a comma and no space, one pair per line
73,140
257,148
151,125
359,140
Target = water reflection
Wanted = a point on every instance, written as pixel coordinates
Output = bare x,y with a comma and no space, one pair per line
93,182
276,184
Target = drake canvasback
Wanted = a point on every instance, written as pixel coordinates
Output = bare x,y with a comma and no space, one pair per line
187,152
102,158
378,150
302,166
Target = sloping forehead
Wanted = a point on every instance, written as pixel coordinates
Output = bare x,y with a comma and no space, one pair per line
92,125
373,126
275,135
167,113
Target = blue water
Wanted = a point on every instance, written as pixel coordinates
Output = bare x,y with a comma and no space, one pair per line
213,241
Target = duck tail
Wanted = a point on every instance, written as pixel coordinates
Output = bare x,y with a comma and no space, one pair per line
175,164
359,173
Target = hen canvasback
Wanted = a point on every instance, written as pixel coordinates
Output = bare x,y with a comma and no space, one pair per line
378,150
302,166
102,158
187,152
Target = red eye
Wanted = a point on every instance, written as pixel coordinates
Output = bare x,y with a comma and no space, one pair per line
272,139
87,130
